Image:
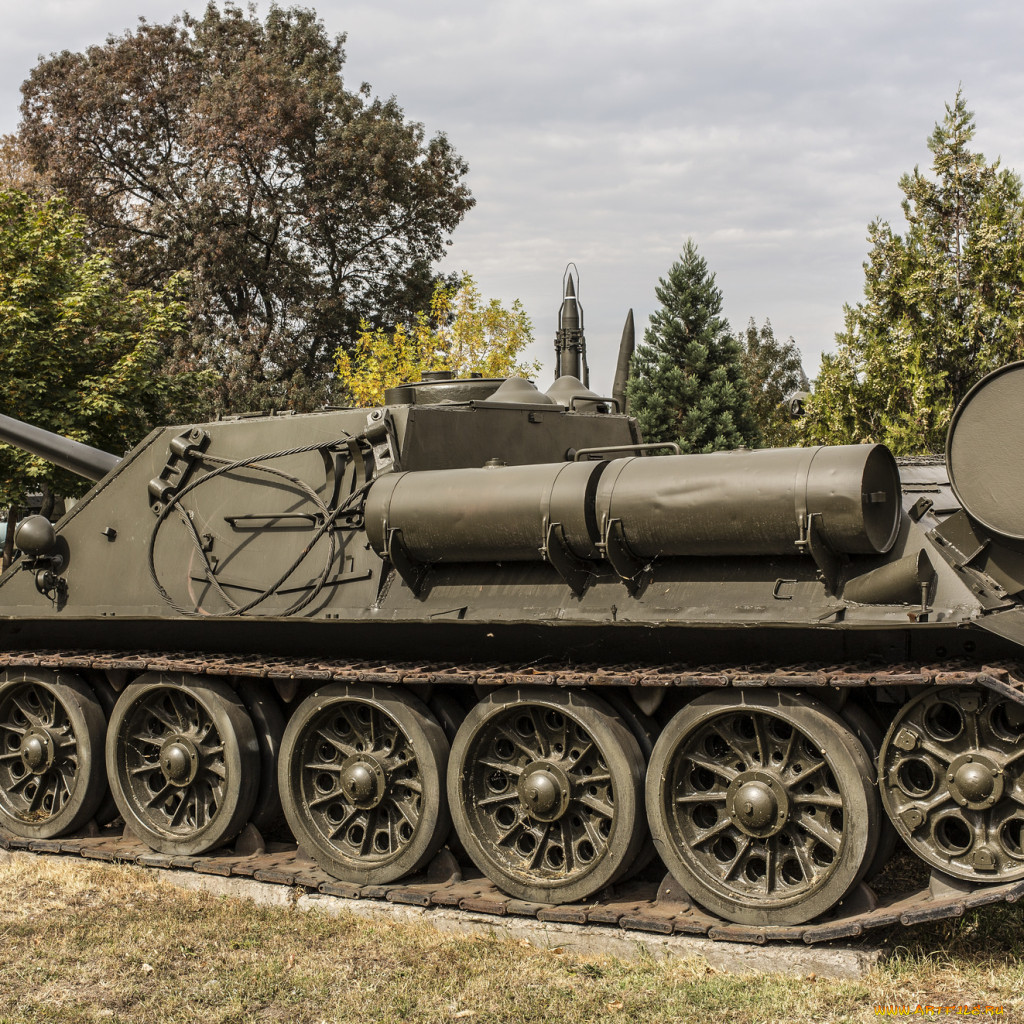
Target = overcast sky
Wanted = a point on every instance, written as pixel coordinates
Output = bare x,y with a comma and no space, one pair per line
605,133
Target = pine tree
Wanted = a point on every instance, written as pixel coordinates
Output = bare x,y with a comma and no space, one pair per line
774,371
686,382
943,304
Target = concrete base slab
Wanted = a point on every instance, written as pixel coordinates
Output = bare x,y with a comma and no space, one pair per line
791,959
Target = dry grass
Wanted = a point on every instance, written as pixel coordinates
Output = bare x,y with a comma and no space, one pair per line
87,942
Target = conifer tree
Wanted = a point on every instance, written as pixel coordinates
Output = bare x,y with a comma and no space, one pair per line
774,371
943,303
686,382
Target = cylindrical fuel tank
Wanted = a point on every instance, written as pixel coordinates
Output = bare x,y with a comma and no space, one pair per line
483,515
725,503
752,502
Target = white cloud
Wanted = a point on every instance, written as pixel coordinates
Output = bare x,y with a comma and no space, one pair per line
608,134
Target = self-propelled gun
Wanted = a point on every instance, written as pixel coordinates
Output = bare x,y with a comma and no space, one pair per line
492,617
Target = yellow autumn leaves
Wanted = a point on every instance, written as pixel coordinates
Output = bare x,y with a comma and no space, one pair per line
460,332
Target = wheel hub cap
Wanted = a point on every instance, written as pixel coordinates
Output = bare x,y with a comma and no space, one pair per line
363,781
544,791
37,751
757,803
179,760
975,781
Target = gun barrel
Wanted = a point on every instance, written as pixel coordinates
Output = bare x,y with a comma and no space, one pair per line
74,456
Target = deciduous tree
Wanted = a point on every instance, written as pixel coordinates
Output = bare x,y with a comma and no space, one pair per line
460,332
16,170
229,147
80,354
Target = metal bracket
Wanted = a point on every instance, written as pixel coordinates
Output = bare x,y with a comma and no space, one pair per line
959,540
616,449
810,542
576,572
380,433
920,508
183,453
336,457
594,400
49,584
635,573
46,567
397,554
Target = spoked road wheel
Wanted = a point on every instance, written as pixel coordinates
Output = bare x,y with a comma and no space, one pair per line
869,733
183,762
268,721
645,730
952,780
361,777
51,753
762,805
546,790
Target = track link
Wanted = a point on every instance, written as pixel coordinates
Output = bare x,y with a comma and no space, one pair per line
640,906
1005,679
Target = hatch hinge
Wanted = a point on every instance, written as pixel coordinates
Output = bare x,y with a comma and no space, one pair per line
383,441
183,453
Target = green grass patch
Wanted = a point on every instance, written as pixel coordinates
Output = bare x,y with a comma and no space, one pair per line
88,942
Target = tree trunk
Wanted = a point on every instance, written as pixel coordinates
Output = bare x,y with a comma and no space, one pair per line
46,509
12,522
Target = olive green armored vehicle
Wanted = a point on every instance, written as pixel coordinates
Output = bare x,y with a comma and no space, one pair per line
491,617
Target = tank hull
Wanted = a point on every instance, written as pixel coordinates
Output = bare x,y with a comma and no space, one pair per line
496,623
638,644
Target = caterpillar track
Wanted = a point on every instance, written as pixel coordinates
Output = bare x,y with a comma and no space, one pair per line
641,905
